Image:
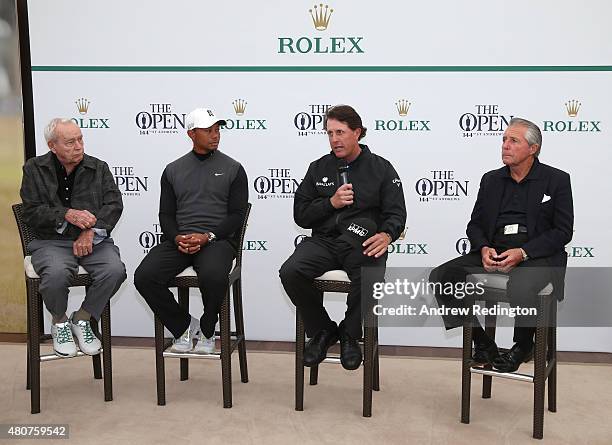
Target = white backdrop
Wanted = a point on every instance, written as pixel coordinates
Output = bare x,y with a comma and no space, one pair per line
118,66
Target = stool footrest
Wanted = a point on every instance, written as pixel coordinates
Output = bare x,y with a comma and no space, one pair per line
170,354
233,334
506,375
52,357
335,359
332,359
235,340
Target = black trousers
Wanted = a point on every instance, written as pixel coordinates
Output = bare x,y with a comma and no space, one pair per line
212,264
313,257
525,282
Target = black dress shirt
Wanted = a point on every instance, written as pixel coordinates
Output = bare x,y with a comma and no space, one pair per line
513,208
65,181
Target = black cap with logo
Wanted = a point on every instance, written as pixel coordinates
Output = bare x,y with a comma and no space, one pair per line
357,231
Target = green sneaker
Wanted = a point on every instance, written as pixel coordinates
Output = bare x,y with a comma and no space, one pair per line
88,342
63,343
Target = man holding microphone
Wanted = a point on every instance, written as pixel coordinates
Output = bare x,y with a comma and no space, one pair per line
353,201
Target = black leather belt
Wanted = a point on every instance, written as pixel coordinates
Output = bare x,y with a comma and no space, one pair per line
511,229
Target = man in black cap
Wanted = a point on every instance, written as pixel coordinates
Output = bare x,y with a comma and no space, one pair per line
353,201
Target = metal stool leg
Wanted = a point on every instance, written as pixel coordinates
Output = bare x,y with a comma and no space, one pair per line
95,359
487,380
299,361
183,301
239,320
466,376
160,373
539,375
552,357
41,318
29,329
368,356
370,320
106,354
34,345
314,370
28,362
226,351
376,370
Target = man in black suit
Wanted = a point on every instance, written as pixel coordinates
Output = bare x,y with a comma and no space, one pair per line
521,222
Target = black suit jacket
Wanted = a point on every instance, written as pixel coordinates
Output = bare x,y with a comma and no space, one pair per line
550,216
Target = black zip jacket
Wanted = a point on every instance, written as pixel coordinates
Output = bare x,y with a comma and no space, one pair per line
378,195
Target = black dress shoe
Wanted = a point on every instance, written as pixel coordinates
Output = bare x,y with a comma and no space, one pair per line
511,360
315,350
350,352
485,354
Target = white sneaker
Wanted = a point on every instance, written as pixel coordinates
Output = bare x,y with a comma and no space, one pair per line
205,345
185,342
63,343
88,342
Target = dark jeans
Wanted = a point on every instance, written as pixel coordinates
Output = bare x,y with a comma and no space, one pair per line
212,264
315,256
525,282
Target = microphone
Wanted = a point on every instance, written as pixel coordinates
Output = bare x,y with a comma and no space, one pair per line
343,169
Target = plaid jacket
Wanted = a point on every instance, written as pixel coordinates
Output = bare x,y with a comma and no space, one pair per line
94,190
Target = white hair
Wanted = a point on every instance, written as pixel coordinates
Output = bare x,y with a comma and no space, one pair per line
52,125
533,135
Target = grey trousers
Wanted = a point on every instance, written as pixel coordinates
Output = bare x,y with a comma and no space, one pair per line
55,263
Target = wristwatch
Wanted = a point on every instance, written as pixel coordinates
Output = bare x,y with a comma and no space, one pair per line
525,256
211,237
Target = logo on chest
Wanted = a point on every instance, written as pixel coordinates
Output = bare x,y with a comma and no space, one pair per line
324,182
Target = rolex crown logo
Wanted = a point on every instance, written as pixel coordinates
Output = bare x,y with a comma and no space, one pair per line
82,105
403,106
572,107
239,106
320,17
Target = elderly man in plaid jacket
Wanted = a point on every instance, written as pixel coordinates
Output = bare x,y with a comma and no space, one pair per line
72,202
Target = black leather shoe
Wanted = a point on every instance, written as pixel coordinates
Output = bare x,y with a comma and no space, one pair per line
315,350
511,360
350,352
485,354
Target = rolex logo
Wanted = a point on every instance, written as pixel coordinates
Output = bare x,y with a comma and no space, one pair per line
321,17
82,105
239,106
572,107
239,123
85,120
401,124
403,106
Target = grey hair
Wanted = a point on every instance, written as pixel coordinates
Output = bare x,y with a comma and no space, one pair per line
533,134
52,125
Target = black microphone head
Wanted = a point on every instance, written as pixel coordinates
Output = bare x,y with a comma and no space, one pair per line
343,169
